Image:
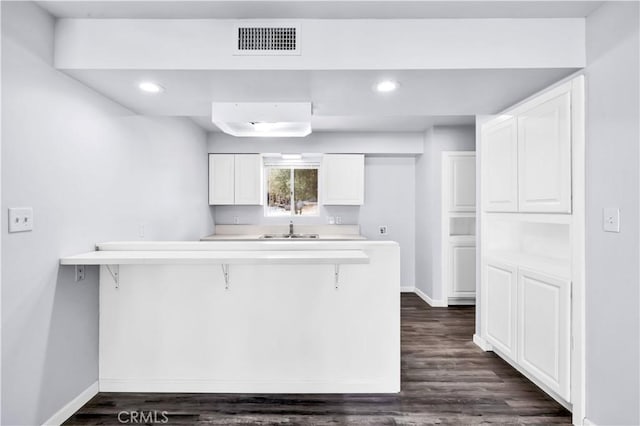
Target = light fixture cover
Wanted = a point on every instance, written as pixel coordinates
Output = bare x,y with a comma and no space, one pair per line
263,119
385,86
150,87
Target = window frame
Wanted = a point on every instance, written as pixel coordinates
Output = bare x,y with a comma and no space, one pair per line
292,166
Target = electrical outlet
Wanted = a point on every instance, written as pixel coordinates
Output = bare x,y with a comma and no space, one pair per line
236,220
338,220
383,230
611,219
20,219
331,220
141,231
79,273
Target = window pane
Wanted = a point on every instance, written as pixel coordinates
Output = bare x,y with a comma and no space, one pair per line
279,192
306,192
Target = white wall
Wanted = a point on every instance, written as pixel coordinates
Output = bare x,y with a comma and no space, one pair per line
390,201
428,203
612,180
92,171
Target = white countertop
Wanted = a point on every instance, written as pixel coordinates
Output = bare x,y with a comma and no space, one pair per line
183,257
252,237
255,232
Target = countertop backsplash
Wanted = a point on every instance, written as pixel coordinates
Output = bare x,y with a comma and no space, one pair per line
254,215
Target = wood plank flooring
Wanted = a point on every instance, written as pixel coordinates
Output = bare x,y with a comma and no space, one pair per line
446,379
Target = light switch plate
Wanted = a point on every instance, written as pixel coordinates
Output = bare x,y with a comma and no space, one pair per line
20,219
611,219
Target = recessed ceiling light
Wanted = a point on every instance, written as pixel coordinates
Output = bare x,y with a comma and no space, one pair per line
150,87
291,156
385,86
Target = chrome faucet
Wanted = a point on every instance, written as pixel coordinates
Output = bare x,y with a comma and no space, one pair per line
290,228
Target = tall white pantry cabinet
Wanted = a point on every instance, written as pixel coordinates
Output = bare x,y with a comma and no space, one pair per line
458,226
532,239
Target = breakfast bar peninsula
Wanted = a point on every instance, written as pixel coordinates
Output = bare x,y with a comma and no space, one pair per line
248,317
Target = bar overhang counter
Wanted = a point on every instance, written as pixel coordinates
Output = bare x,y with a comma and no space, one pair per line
248,317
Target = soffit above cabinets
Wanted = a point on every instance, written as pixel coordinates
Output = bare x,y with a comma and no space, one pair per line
468,67
319,9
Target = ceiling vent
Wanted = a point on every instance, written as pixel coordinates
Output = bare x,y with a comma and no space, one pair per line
268,39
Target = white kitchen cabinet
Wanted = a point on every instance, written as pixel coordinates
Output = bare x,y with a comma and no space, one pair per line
462,269
235,179
544,328
461,168
221,179
533,253
499,296
248,179
544,156
500,166
458,201
342,179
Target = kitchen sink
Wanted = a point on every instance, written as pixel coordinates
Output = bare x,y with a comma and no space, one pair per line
290,236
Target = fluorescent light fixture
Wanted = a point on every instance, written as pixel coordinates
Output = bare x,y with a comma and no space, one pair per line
386,86
150,87
292,156
263,119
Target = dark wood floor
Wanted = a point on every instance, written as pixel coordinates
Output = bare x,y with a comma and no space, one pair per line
445,379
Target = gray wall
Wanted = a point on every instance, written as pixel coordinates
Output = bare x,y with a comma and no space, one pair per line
612,276
92,171
428,203
389,187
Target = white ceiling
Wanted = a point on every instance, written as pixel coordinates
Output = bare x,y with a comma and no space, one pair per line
342,100
314,9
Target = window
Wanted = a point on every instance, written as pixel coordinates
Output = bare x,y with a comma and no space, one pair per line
292,191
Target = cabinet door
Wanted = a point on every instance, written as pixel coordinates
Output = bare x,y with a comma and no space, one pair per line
544,328
221,179
499,301
248,179
544,156
462,267
462,182
500,166
343,179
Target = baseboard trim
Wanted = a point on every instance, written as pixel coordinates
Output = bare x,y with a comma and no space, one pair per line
462,301
384,385
72,406
407,289
431,302
587,422
482,343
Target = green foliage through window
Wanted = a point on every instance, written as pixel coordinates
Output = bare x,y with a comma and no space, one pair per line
285,199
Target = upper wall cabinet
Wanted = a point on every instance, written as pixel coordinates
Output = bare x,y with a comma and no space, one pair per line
248,179
461,168
221,179
235,179
342,179
544,156
500,166
527,157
